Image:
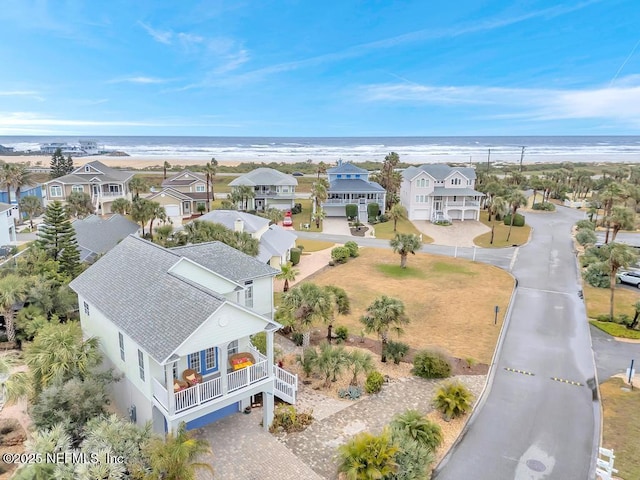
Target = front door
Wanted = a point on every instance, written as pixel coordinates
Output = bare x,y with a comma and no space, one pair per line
259,204
96,190
186,207
437,205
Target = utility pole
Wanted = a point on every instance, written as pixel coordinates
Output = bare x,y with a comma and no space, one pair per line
489,161
522,157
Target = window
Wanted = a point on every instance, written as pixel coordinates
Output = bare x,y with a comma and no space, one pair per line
248,294
423,183
357,175
455,198
455,181
86,308
210,358
87,168
422,198
232,347
174,369
194,361
77,188
200,188
468,182
339,176
121,342
141,365
55,190
348,175
114,188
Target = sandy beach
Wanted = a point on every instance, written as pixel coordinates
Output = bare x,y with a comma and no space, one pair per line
141,162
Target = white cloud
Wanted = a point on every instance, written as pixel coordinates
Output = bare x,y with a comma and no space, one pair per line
17,93
161,36
621,102
141,80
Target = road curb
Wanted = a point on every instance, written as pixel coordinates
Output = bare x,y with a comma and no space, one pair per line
488,383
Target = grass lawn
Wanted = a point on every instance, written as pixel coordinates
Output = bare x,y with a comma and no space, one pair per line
597,301
449,301
616,330
519,235
304,216
385,230
622,426
311,245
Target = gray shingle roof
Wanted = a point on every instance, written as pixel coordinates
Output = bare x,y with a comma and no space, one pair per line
264,176
439,171
275,241
462,192
354,185
96,235
179,179
108,174
225,261
252,223
346,167
132,287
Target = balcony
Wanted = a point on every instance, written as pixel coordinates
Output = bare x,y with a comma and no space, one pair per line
466,203
210,389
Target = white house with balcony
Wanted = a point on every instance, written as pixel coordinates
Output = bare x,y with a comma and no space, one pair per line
8,217
177,324
104,184
437,192
350,184
271,188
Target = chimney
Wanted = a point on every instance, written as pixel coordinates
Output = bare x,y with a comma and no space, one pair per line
238,225
339,162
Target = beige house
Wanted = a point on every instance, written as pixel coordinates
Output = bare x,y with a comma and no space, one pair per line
182,194
271,188
104,185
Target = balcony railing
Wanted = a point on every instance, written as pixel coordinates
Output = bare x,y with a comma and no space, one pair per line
467,203
345,201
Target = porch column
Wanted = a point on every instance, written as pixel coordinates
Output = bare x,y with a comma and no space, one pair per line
170,392
223,368
269,351
267,410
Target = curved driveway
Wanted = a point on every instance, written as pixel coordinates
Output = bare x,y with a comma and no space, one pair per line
532,426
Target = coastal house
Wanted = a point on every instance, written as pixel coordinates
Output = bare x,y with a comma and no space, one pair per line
103,183
8,218
30,189
439,192
4,149
275,242
349,184
177,324
271,188
182,194
81,149
97,235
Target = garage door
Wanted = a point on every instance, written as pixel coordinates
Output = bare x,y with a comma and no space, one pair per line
172,210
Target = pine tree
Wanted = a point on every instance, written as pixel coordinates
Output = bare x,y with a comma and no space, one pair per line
68,165
58,239
58,164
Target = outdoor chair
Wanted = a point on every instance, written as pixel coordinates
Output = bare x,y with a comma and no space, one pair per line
191,377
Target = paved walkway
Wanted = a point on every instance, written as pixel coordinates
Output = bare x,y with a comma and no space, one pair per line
459,234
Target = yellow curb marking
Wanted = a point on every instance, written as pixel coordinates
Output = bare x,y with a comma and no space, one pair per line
578,384
523,372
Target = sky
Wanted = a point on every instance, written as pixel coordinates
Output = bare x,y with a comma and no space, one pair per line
330,68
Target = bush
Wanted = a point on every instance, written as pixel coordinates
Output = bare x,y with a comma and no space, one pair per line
546,206
518,221
340,254
259,340
383,218
396,350
297,338
297,208
453,400
415,426
288,419
431,364
352,392
374,382
351,210
353,248
586,237
228,205
294,256
595,276
342,333
373,210
585,225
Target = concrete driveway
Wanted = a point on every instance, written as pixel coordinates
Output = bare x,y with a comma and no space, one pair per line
459,233
336,226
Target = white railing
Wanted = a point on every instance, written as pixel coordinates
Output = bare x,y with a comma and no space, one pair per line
246,376
160,393
285,383
198,394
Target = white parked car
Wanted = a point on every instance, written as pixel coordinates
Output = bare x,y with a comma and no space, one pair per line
630,278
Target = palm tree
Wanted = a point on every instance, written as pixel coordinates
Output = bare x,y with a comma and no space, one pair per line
79,204
244,193
305,305
157,212
330,361
516,200
621,218
14,175
405,244
142,211
288,274
367,456
341,305
319,195
174,457
636,317
136,185
318,216
498,207
397,212
419,428
166,166
13,290
359,361
620,256
535,182
210,170
609,195
121,206
32,206
383,314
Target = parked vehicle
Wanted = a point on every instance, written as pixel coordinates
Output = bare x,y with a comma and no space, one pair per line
288,221
630,278
298,174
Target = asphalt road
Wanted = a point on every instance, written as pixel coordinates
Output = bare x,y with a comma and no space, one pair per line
531,426
613,356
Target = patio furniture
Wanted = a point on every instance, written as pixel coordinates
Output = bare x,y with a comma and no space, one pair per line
241,360
191,377
179,385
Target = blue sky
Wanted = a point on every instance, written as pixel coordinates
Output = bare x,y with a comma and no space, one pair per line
331,68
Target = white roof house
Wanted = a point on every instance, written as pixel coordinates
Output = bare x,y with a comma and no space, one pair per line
272,189
350,184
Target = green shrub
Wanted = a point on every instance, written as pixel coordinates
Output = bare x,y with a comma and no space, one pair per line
297,338
596,276
373,210
431,364
396,351
546,206
259,340
351,210
415,426
585,225
342,333
340,254
374,382
294,256
297,208
383,218
308,360
288,419
353,248
453,400
586,237
518,221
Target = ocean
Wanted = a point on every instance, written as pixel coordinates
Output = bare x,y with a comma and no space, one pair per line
330,149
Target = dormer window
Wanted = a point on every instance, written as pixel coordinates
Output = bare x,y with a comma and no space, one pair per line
455,181
87,168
